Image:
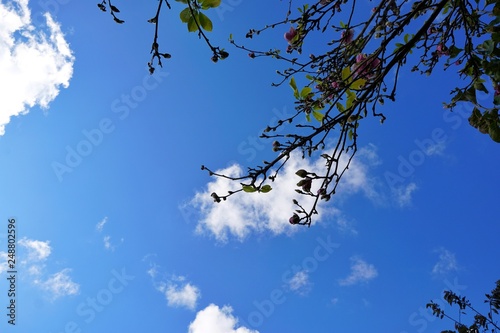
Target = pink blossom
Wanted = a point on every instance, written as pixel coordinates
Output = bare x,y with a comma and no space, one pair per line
497,90
290,35
365,66
442,49
347,36
335,85
360,57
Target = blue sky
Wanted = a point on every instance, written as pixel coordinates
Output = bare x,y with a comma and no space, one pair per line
115,227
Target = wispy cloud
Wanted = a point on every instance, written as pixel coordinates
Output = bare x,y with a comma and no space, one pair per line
3,262
59,284
107,238
34,64
403,194
446,262
35,261
37,250
177,290
245,213
213,319
300,283
101,224
107,243
361,272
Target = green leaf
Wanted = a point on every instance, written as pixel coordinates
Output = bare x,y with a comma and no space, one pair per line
185,15
351,97
249,188
408,37
358,84
205,22
318,116
346,73
340,107
182,1
192,25
293,84
305,92
308,117
350,134
454,51
480,86
266,188
206,4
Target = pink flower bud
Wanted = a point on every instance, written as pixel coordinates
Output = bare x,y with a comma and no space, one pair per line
347,35
294,219
290,35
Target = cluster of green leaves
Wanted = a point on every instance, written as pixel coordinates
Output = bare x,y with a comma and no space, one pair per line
193,16
478,54
481,322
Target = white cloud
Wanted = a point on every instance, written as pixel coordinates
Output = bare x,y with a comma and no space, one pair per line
186,295
245,213
403,194
177,290
37,250
34,64
361,272
35,264
107,243
101,224
435,148
60,284
3,262
213,319
446,263
299,283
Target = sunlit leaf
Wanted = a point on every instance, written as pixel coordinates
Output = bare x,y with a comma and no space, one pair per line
358,84
346,73
185,15
351,97
206,4
192,25
266,188
249,189
305,92
205,22
318,116
293,84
